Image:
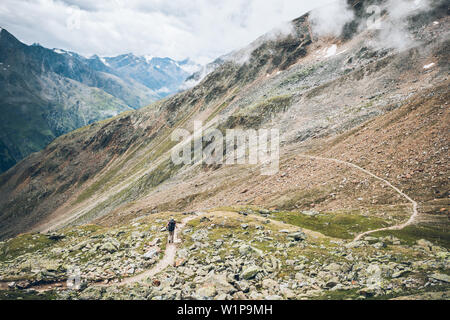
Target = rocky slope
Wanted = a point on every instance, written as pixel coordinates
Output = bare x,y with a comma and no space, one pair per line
224,255
353,98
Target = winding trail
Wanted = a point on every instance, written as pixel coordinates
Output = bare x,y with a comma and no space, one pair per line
167,260
169,254
415,212
171,248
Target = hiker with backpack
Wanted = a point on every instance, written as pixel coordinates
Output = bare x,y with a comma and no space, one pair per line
171,228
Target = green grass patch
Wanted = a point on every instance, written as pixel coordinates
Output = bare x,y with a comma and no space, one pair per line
22,244
255,115
337,225
26,295
438,234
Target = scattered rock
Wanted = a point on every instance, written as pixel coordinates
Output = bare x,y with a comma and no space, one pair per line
56,236
310,213
425,244
271,285
440,277
355,244
242,286
297,236
379,245
151,253
110,246
250,272
206,293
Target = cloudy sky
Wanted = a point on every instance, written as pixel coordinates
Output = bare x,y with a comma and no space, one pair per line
199,29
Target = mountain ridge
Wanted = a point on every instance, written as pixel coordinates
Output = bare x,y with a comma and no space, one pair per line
219,95
363,127
63,91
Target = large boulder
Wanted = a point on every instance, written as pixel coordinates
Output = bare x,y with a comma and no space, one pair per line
250,272
214,284
246,250
356,244
110,246
152,253
333,267
297,236
243,286
427,245
441,277
271,285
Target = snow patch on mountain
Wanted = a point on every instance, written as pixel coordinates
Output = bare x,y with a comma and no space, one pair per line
331,51
103,60
148,58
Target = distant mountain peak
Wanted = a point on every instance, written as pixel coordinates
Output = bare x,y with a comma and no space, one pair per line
8,40
148,58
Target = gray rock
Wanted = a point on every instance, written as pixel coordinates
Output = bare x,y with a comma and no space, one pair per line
355,244
310,213
206,293
110,246
333,267
287,293
332,283
440,277
370,239
379,245
250,272
270,285
297,236
246,250
425,244
243,286
151,254
400,273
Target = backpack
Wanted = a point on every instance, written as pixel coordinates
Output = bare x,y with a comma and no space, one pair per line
172,225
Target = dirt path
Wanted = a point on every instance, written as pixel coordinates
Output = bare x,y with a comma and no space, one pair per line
171,249
167,260
415,212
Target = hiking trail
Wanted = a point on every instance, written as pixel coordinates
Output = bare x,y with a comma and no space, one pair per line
171,248
167,260
415,212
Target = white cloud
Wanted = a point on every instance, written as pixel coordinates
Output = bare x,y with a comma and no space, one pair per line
199,29
394,31
331,19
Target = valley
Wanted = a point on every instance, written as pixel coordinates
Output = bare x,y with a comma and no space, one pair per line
359,208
